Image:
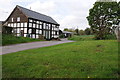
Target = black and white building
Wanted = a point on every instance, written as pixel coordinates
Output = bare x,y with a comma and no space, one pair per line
28,23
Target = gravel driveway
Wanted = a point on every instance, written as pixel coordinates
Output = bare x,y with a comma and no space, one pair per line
32,45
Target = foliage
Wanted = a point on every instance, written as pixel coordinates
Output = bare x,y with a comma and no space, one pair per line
77,31
102,17
82,32
61,36
8,39
82,59
70,30
66,29
110,37
6,30
88,31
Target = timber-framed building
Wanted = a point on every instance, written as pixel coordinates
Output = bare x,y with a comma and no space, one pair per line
28,23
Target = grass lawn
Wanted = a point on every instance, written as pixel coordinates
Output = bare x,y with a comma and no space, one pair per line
81,59
10,39
82,38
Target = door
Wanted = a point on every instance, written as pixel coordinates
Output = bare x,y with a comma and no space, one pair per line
22,33
47,34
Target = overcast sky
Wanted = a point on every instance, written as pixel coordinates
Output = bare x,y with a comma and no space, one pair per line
68,13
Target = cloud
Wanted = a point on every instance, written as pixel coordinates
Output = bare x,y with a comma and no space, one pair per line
45,7
68,13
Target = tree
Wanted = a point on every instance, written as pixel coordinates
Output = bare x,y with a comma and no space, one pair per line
65,29
102,17
77,31
87,31
82,32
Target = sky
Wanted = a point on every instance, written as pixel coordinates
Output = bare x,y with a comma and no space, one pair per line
68,13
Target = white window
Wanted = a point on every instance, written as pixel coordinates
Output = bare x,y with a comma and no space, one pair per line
8,24
25,35
14,24
44,25
40,22
25,30
37,31
12,20
25,24
37,26
18,24
44,33
18,19
21,24
37,22
30,30
40,26
33,36
18,30
33,25
11,24
21,28
30,20
30,24
18,34
40,32
37,36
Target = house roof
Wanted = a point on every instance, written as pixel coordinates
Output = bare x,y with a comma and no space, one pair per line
67,32
36,15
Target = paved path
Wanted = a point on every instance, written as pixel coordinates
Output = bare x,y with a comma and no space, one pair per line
25,46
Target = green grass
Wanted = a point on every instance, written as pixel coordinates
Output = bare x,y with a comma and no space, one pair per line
82,59
10,39
82,38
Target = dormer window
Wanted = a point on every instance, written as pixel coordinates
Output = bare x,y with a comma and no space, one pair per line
18,19
12,19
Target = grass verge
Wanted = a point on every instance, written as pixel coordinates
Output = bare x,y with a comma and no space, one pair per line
82,59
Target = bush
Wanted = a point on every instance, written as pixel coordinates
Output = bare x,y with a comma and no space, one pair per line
110,37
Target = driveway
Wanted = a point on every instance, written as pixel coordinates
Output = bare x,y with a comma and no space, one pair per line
32,45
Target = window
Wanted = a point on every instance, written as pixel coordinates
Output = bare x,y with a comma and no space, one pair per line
22,24
30,24
30,30
30,20
25,24
14,24
18,19
11,24
37,36
25,30
12,20
40,32
55,32
37,31
37,26
33,25
33,31
37,22
8,24
18,24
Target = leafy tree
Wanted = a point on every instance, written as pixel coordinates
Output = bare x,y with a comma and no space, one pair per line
82,32
87,31
102,17
65,29
77,31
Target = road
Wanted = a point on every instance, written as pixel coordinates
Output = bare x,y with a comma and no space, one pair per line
32,45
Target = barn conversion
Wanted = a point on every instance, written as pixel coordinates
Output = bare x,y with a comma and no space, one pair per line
28,23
